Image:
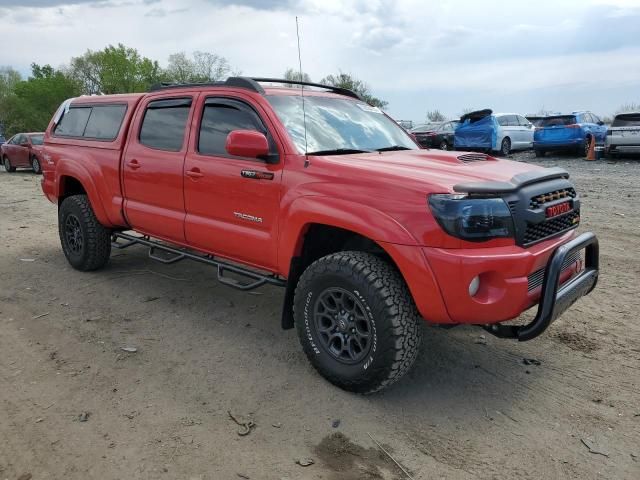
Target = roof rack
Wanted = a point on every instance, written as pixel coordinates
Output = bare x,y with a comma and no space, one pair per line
253,84
338,90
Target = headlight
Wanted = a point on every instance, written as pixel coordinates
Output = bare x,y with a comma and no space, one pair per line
472,219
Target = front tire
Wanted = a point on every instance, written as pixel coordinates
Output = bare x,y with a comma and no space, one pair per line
444,145
85,242
35,165
7,165
356,321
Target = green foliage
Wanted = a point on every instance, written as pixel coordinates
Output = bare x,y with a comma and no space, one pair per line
29,104
345,80
434,116
118,69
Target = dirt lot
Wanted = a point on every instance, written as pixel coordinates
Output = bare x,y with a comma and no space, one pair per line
467,410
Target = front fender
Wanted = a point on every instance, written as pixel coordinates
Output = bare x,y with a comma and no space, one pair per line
66,168
358,218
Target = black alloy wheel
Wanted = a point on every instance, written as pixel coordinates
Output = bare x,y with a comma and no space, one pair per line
73,234
344,328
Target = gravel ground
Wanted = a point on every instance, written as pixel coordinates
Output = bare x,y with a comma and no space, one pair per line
74,405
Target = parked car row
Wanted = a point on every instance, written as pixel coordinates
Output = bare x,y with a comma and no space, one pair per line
23,150
504,133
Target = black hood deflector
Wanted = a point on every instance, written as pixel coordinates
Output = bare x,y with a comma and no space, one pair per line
517,181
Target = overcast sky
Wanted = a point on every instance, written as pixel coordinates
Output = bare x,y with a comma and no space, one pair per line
417,55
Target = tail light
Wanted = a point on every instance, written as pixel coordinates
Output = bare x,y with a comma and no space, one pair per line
609,132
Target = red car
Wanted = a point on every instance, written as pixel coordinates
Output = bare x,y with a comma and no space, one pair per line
326,196
23,150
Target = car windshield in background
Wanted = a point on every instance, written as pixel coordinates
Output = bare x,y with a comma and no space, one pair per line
37,139
560,120
338,126
627,120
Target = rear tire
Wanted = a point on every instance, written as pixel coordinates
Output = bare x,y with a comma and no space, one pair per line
505,146
7,165
356,321
540,153
85,243
444,145
35,165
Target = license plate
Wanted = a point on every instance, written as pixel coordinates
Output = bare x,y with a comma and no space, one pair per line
559,209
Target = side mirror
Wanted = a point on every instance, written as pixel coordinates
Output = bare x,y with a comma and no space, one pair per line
247,143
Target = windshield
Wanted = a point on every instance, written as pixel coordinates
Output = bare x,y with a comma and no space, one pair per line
37,139
337,124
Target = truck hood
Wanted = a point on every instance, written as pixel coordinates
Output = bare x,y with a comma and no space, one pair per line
437,170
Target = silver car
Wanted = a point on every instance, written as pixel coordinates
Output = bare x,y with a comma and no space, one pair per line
623,136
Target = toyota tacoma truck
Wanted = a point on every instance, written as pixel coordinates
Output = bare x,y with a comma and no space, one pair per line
312,189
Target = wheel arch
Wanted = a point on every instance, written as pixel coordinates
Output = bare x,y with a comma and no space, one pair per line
74,183
316,226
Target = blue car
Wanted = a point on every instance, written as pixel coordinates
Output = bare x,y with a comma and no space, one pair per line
568,132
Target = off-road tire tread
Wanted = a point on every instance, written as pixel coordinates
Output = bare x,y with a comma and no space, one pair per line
97,238
378,279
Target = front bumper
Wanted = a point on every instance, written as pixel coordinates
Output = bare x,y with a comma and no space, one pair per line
510,278
556,298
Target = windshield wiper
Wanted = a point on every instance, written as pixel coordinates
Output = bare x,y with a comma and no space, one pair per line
338,151
392,148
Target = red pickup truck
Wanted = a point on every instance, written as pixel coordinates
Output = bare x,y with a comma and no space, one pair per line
312,189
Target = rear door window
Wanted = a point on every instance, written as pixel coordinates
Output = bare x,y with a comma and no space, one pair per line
164,124
104,122
73,122
523,121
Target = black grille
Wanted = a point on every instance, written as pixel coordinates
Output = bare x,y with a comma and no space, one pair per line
539,231
537,277
539,200
472,157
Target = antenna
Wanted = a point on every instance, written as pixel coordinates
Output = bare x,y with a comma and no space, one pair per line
304,113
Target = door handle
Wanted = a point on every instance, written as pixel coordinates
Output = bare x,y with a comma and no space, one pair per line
133,164
194,173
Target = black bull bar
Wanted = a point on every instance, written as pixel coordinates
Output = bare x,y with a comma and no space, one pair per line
556,298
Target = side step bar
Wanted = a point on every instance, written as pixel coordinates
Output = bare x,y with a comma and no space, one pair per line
173,255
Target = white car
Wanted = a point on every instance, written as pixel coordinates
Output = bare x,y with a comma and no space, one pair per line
514,132
623,136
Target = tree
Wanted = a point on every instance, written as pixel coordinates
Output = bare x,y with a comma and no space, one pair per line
345,80
32,102
118,69
435,116
203,67
9,78
629,107
295,75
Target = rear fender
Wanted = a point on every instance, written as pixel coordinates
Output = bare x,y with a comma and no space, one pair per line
79,172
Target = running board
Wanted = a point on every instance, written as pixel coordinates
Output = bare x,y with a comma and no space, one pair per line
173,255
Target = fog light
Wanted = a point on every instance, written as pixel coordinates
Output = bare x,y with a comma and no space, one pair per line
474,286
